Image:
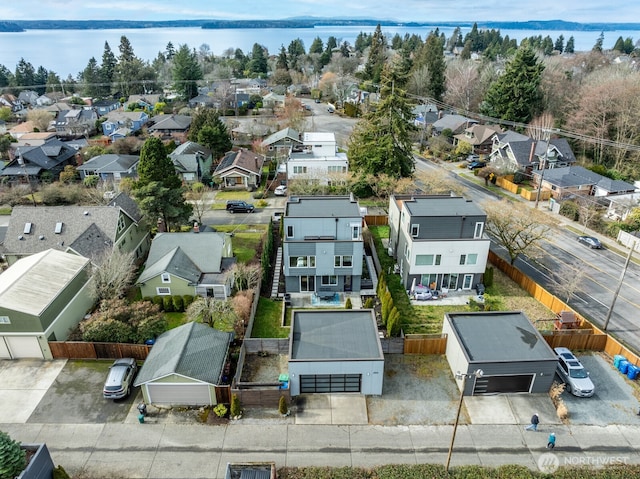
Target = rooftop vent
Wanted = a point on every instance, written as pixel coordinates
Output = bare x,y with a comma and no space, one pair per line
27,228
20,237
41,237
58,229
86,213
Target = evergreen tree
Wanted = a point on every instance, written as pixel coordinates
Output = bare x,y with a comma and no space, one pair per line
516,94
91,78
432,57
377,56
159,190
619,46
559,45
257,66
170,51
107,70
186,72
295,52
40,79
599,42
282,63
570,47
209,130
380,142
25,73
317,46
6,77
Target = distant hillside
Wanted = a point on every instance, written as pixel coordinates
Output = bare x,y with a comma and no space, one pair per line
301,22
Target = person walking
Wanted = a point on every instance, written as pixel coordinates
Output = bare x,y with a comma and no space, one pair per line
551,443
535,420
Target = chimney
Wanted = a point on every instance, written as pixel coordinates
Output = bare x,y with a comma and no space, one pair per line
196,228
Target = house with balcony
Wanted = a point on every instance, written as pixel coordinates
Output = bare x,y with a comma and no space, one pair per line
317,160
439,242
323,247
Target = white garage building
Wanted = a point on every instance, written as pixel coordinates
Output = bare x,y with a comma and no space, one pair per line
335,351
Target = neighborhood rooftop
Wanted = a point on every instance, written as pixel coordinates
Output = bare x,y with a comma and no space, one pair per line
322,207
440,206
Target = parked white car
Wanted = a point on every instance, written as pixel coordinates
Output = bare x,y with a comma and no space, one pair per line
280,191
573,373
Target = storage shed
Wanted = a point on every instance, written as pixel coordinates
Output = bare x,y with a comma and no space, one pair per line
335,351
184,366
512,354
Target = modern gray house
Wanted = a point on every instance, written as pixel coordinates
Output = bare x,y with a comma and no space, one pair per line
323,246
438,241
512,354
335,351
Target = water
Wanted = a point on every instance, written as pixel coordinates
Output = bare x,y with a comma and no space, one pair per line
68,51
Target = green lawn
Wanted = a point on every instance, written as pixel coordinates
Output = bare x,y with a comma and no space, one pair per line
175,319
247,240
266,323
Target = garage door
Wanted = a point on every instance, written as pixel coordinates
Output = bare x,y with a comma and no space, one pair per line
330,383
503,384
24,347
180,394
4,350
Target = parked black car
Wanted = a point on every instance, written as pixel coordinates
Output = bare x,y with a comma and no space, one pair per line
236,206
476,164
590,241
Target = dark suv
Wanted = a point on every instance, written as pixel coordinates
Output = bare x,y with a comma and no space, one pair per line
235,206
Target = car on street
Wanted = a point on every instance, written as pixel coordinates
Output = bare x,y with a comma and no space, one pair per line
590,241
317,100
237,206
472,157
476,164
573,373
120,378
280,191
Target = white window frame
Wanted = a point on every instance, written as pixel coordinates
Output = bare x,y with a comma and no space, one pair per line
330,277
464,281
5,320
339,261
479,228
355,231
121,223
163,291
290,230
311,261
415,231
472,258
166,277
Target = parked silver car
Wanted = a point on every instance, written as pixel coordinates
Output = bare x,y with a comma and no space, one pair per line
120,379
573,373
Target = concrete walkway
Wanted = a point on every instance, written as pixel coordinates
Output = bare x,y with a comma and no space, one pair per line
189,451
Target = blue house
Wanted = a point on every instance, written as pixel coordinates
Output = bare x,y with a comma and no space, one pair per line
122,123
102,107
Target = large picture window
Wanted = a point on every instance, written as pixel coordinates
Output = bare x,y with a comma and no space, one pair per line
343,261
428,259
302,261
329,280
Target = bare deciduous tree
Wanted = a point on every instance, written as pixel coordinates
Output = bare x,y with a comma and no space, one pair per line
217,313
519,229
246,276
587,211
40,119
112,274
568,280
463,87
196,197
439,182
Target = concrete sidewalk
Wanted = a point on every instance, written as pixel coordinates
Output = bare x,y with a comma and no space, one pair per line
189,451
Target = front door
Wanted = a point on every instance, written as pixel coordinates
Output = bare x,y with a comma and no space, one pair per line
468,280
307,284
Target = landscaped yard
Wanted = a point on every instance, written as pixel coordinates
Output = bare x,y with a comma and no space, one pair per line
266,323
175,319
247,240
503,295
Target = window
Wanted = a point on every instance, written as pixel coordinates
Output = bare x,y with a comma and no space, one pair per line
5,320
121,223
337,169
415,229
299,169
163,291
329,280
307,283
343,261
463,258
289,231
302,261
478,231
472,258
355,231
166,278
427,259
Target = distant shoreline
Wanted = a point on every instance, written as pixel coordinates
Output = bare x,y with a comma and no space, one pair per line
17,26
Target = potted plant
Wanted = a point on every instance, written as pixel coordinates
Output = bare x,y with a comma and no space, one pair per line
283,407
24,461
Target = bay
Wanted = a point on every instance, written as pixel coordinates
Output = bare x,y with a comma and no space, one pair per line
68,51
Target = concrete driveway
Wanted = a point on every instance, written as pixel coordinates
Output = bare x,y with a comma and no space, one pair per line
75,397
23,383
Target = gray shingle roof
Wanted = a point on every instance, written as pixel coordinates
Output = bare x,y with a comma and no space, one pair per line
335,334
577,175
281,135
453,122
110,163
500,336
48,155
193,350
170,122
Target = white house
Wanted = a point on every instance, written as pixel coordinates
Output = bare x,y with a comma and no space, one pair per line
317,160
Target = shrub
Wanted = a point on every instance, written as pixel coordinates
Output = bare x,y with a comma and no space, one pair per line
283,407
570,209
187,299
60,473
178,303
393,323
220,410
235,410
148,299
107,330
157,300
13,459
368,304
167,304
488,276
150,328
261,203
347,304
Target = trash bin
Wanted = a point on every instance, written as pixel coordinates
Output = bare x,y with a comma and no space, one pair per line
141,418
623,367
633,371
616,360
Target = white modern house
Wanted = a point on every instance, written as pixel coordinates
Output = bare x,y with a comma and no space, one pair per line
438,241
317,160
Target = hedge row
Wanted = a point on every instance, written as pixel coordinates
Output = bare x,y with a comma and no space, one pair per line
171,304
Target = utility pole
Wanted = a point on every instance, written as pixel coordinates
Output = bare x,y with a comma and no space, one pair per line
615,295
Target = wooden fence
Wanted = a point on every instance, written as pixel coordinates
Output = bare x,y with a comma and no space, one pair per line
392,345
376,220
425,344
505,183
576,339
88,350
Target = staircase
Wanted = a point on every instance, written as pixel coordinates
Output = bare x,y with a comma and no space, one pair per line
277,269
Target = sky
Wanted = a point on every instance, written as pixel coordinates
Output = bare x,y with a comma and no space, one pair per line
583,11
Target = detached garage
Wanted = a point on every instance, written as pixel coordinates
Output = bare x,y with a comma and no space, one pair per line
335,351
512,354
184,366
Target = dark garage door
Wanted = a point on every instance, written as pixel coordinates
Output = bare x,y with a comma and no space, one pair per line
330,383
503,384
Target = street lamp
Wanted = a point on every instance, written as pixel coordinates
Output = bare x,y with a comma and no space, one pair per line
476,374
